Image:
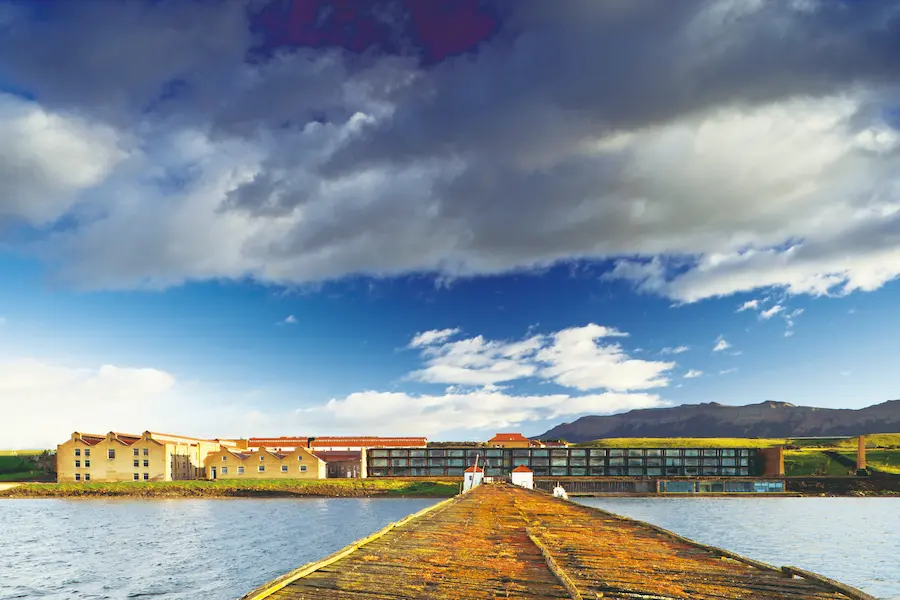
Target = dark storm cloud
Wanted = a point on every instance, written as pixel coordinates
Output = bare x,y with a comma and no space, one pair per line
682,132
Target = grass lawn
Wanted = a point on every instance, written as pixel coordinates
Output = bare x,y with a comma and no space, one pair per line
228,488
798,463
886,461
683,443
22,475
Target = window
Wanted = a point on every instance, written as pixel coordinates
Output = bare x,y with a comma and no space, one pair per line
262,458
146,476
77,476
224,458
299,457
240,470
111,453
87,476
284,468
224,470
87,451
137,463
137,452
302,468
77,452
146,451
87,464
146,463
77,464
137,476
261,468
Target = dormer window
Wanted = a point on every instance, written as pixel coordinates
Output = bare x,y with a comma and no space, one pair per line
262,458
111,453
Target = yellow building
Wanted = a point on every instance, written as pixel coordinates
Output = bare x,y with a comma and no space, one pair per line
232,463
150,456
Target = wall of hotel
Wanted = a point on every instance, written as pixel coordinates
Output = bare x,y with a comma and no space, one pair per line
231,466
566,462
111,460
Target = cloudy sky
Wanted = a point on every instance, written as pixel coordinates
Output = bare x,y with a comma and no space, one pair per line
442,218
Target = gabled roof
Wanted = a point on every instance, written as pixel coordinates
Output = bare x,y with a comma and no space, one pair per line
509,437
474,469
125,438
91,439
522,469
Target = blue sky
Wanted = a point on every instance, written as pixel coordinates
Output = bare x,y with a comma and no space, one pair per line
409,219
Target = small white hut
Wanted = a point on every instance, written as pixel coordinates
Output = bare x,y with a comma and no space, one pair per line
523,477
473,476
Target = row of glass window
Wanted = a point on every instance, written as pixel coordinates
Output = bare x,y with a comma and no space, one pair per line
564,462
87,464
261,469
87,451
111,452
561,452
87,476
569,472
146,476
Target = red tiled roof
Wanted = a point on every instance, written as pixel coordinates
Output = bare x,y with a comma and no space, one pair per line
127,438
522,469
92,439
474,469
339,455
278,442
509,437
370,442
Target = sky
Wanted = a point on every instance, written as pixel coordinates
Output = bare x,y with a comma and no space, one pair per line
441,218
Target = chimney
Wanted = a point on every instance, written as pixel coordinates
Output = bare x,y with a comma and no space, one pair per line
861,454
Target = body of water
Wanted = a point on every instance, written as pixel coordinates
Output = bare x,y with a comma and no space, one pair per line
216,549
209,549
853,540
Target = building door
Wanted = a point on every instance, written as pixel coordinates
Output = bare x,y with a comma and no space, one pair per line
213,472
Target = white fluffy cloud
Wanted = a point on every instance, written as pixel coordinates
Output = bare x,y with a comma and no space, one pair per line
693,374
44,402
770,312
398,413
675,350
716,172
721,344
576,358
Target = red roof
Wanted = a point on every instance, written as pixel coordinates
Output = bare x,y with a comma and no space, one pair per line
474,469
92,440
522,469
509,437
278,442
368,442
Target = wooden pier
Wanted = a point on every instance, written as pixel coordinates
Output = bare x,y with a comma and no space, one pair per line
499,541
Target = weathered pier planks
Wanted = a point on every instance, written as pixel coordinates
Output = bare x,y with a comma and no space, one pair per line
499,541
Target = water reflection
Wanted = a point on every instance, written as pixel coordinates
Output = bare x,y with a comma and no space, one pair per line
853,540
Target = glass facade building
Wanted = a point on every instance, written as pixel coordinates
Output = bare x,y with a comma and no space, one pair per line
566,462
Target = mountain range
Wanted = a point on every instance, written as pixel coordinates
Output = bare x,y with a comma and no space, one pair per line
711,419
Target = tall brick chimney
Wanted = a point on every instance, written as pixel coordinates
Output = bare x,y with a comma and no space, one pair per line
861,454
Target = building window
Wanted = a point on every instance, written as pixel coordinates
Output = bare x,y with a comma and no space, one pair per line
87,476
87,464
77,476
111,453
261,468
146,463
262,458
224,458
240,470
146,476
137,476
299,457
77,464
284,468
146,451
77,452
224,470
137,452
303,468
137,463
87,451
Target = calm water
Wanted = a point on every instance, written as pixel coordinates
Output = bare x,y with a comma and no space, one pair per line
853,540
220,549
168,549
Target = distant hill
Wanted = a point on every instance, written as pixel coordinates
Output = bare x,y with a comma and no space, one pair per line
711,419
